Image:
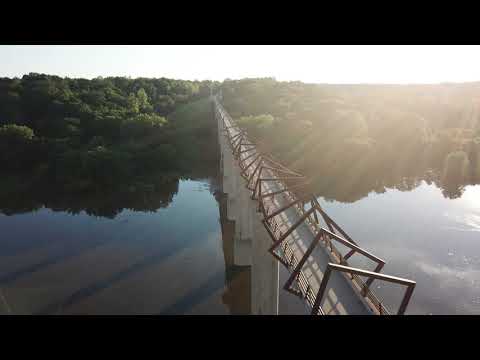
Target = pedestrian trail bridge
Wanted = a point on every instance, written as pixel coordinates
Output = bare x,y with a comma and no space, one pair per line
279,222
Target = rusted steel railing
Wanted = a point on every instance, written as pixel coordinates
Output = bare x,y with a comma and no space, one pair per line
258,169
351,270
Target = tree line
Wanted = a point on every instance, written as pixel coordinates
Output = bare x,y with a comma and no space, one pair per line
79,135
81,139
354,137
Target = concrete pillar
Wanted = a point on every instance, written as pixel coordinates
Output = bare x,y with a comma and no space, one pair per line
228,176
251,240
246,216
265,271
242,235
221,143
233,206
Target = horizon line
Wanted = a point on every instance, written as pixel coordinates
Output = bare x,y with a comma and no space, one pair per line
445,82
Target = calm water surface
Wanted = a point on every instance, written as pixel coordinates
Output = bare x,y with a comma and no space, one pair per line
422,236
169,261
174,260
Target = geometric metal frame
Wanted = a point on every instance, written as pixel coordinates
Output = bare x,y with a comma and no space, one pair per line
239,145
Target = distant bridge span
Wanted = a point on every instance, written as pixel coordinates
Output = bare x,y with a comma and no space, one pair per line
279,222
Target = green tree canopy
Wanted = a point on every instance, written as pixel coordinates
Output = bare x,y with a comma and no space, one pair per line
15,133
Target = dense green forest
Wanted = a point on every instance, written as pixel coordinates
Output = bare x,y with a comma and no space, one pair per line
121,138
353,139
105,144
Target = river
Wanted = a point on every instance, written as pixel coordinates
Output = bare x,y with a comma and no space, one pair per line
168,261
422,236
174,255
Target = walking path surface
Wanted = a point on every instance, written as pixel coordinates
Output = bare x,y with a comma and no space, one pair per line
340,297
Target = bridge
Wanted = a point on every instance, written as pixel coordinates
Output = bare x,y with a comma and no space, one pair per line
279,222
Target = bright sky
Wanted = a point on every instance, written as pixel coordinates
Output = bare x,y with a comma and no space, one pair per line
307,63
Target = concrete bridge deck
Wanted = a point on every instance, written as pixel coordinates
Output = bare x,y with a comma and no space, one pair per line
340,297
344,293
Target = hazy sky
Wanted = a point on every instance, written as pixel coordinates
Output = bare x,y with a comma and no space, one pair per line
321,64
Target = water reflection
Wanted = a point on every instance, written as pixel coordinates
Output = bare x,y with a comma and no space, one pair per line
107,202
164,246
237,295
423,236
351,178
121,261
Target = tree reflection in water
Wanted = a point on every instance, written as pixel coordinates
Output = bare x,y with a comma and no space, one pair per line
102,201
351,183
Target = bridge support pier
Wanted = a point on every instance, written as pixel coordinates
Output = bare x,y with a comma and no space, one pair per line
240,212
265,269
251,240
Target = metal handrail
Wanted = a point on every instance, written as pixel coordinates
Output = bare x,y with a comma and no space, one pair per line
351,270
361,285
287,255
